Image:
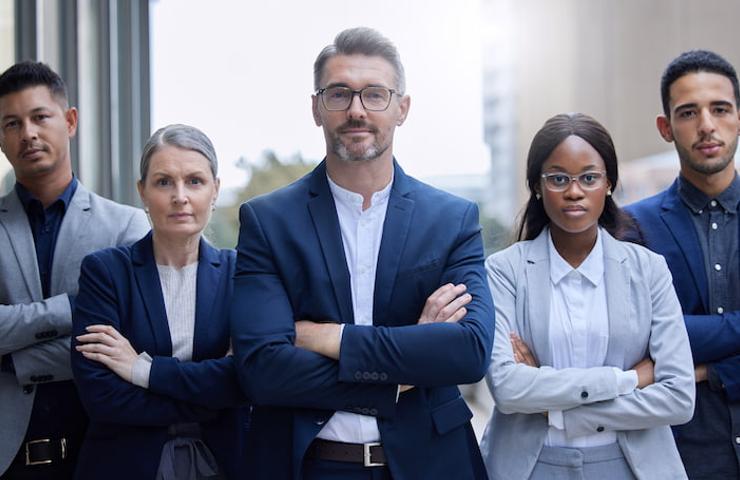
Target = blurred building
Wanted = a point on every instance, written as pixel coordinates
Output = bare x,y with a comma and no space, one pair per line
600,57
105,45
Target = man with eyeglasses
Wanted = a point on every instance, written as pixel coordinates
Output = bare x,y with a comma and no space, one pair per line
360,297
694,224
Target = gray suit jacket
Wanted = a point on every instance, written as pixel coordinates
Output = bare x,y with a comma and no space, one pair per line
644,318
33,330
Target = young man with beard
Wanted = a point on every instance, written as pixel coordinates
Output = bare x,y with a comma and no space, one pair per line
694,225
360,297
48,223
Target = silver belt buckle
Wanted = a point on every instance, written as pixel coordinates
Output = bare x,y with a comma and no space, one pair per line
28,452
367,460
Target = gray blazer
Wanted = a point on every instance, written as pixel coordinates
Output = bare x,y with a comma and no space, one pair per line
644,318
33,330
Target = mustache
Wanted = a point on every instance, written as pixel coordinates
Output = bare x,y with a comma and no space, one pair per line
708,139
32,146
357,124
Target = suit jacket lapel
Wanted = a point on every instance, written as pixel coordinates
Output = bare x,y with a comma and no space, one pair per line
208,284
617,286
395,231
325,221
150,289
15,221
71,233
676,217
538,301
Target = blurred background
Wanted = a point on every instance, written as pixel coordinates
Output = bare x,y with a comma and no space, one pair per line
483,76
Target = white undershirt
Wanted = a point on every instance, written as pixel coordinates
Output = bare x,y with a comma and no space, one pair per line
579,332
179,291
361,235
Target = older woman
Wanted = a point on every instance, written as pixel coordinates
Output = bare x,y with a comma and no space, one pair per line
591,360
152,356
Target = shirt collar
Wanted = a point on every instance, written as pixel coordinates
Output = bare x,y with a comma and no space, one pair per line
354,200
27,198
697,200
592,268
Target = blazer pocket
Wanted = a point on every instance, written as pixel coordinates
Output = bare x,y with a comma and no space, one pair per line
451,415
424,267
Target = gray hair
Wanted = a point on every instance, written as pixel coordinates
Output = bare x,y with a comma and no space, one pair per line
361,41
180,136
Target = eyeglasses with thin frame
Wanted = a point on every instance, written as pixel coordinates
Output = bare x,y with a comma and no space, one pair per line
374,99
560,182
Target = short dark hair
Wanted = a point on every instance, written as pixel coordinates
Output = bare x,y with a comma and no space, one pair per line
361,41
545,141
32,74
695,61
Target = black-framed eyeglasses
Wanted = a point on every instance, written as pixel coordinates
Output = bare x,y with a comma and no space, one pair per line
560,182
374,99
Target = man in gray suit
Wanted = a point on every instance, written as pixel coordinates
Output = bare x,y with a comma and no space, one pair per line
48,223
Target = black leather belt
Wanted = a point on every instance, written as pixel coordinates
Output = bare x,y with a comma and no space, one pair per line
368,454
42,451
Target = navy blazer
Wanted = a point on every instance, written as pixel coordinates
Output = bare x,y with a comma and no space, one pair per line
667,229
128,424
291,266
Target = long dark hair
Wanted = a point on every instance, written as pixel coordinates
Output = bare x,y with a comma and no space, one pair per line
552,134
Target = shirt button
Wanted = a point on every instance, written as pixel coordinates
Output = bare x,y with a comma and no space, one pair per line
720,310
714,226
717,267
600,429
584,394
713,203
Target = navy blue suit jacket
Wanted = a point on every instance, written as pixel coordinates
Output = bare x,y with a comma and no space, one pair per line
667,229
128,424
291,266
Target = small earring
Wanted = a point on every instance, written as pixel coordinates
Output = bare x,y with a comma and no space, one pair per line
146,210
213,207
609,193
537,196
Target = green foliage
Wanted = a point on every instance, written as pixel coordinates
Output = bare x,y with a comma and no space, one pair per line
269,174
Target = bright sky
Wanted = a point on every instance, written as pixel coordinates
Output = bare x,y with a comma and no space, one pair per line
242,72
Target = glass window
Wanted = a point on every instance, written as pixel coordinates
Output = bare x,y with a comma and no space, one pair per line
7,57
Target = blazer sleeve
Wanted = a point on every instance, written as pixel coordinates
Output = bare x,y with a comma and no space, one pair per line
106,396
43,362
519,388
136,228
271,370
434,354
714,337
209,383
24,325
670,399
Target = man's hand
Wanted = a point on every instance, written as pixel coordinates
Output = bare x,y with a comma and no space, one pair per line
701,373
104,344
522,353
644,369
446,304
321,338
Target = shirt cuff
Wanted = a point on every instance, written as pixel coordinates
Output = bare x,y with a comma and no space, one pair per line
626,381
141,369
555,419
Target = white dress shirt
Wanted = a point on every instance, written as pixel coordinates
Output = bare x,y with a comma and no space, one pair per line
361,235
579,332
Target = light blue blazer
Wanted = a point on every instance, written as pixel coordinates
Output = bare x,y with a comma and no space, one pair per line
644,319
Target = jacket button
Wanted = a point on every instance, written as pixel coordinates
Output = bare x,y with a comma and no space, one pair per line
737,440
374,375
373,411
358,375
366,375
599,429
383,377
584,394
28,389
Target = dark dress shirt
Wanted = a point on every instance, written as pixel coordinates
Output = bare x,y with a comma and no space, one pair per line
716,422
57,410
